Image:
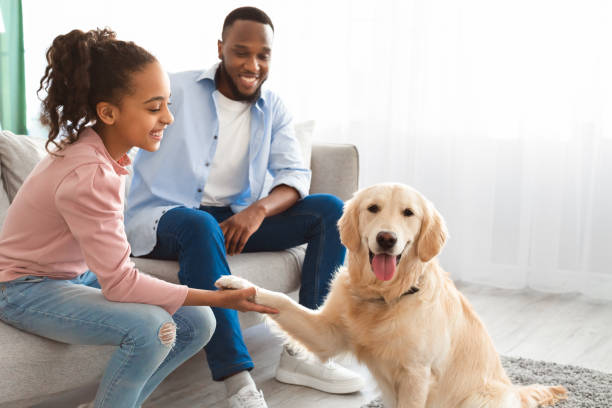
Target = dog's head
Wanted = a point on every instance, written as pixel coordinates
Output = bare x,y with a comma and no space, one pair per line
389,223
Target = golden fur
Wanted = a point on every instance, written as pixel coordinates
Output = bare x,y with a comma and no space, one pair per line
425,349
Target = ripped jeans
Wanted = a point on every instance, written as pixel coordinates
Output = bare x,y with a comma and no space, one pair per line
152,343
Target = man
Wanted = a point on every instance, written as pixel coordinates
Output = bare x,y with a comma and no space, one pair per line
198,199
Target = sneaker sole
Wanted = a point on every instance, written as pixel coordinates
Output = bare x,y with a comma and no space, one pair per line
293,378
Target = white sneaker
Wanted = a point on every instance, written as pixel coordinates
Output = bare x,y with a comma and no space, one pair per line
303,368
247,397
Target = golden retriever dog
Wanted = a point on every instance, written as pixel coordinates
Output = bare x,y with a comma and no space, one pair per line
397,311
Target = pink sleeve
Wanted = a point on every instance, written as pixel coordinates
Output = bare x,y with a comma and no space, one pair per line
90,201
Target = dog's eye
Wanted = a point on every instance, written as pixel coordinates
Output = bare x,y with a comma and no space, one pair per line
374,208
408,212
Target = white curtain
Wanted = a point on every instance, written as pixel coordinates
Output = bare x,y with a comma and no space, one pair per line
499,111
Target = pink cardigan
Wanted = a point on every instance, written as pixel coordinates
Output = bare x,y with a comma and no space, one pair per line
67,217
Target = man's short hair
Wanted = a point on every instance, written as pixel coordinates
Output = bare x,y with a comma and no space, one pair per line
246,13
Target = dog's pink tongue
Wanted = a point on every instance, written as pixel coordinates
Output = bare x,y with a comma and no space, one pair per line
383,266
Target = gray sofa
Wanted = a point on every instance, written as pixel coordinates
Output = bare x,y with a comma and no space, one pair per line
33,369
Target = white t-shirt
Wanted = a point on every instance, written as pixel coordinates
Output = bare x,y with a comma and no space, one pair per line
230,166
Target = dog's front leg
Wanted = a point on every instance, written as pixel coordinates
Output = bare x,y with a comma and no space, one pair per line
413,387
314,329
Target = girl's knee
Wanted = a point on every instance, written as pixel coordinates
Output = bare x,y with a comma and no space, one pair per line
167,334
154,327
196,324
198,321
206,323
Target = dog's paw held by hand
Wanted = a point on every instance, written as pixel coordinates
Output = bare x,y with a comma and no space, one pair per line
232,282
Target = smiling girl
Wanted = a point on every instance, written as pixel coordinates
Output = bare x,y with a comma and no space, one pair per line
103,97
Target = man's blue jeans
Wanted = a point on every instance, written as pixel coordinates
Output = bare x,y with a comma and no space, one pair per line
193,236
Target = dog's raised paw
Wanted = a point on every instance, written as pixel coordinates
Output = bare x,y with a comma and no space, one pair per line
232,282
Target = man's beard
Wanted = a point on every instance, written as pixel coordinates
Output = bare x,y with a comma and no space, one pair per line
237,95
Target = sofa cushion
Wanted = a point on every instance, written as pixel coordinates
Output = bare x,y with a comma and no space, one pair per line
304,133
25,357
4,202
18,155
335,169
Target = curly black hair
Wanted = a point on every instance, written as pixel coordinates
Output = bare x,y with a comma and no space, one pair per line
83,69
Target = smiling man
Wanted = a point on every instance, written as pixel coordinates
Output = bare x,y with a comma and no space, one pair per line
201,197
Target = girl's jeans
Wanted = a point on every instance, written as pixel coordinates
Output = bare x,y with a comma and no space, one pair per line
193,236
76,312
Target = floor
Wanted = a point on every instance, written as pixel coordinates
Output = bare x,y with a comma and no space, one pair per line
568,329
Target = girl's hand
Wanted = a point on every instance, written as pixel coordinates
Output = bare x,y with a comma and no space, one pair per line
238,299
241,300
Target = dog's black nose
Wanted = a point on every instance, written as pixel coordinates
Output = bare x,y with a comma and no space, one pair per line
386,239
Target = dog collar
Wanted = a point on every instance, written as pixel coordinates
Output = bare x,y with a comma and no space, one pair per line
412,290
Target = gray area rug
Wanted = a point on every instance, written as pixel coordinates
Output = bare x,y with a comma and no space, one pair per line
587,388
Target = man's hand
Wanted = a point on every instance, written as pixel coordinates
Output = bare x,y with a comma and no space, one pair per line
238,228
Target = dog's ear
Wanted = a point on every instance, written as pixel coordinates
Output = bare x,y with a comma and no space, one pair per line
433,234
348,225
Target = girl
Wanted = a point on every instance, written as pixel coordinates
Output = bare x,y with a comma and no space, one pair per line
103,97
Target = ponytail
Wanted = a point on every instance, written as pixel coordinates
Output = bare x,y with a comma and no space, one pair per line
83,69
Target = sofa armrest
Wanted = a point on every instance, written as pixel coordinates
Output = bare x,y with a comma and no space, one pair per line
335,169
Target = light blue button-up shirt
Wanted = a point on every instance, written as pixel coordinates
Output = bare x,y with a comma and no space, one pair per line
176,174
